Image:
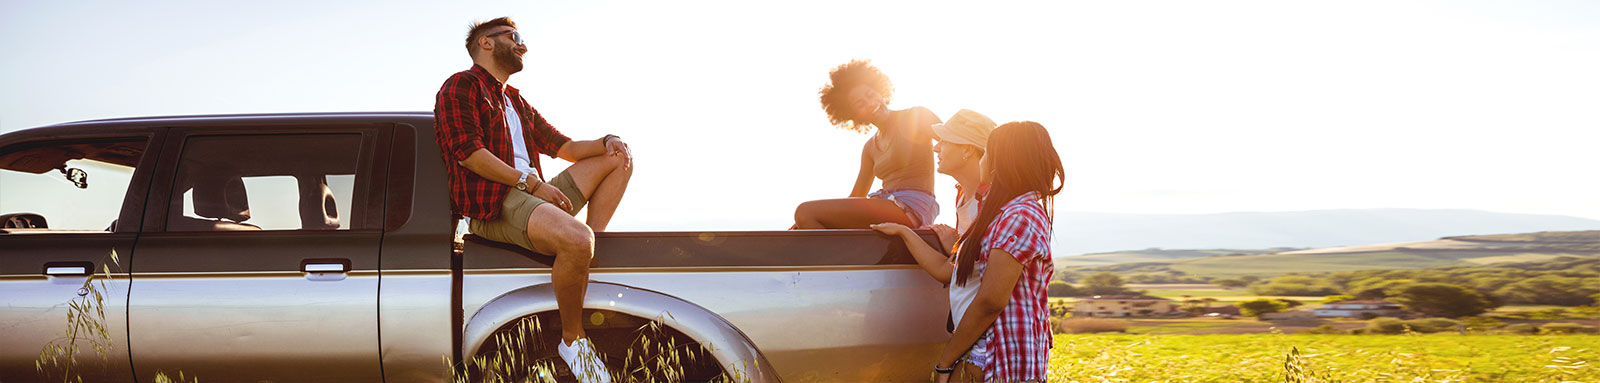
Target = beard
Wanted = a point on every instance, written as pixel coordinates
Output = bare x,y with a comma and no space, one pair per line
506,56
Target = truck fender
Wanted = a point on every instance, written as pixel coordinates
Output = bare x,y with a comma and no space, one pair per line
731,348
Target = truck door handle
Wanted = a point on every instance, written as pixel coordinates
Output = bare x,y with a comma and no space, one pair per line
67,268
325,265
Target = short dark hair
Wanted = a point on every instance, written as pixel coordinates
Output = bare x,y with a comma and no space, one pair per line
836,94
479,28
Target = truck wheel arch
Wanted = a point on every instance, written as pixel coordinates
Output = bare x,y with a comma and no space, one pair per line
738,356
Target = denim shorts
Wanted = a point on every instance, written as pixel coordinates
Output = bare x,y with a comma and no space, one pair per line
978,355
918,204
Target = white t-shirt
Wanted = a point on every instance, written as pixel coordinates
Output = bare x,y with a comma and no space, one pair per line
966,212
519,146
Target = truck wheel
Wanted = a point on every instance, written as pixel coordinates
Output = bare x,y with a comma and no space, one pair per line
634,350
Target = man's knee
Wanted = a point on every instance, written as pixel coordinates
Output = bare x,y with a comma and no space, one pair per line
618,165
575,239
554,232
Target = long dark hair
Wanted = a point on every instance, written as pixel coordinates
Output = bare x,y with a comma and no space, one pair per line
1023,160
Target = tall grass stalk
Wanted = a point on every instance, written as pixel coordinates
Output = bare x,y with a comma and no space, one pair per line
86,317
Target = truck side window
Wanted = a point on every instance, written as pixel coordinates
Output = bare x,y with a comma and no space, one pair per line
65,186
265,182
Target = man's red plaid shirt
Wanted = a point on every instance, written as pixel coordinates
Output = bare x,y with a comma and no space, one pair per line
469,114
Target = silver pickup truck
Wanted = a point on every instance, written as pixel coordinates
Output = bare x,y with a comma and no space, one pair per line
321,248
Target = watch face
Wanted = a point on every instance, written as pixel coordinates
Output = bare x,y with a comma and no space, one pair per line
522,186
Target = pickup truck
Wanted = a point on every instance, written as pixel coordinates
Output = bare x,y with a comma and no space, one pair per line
321,248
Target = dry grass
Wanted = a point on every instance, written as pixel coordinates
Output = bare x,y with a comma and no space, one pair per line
86,318
523,353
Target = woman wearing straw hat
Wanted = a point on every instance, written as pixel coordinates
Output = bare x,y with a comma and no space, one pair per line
960,147
899,153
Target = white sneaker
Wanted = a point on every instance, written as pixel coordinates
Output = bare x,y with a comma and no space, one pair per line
583,362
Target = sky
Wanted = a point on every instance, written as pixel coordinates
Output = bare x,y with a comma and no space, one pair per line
1158,107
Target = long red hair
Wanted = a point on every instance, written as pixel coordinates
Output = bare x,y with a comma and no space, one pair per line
1022,160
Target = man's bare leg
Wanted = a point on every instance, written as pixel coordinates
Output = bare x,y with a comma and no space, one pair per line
552,231
603,180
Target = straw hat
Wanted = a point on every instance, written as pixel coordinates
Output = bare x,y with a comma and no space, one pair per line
966,127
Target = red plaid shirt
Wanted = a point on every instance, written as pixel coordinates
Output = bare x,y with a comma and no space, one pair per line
469,114
1020,344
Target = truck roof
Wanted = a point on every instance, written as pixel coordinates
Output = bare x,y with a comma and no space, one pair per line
236,119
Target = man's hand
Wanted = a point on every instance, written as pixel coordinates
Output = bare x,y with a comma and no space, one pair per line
947,237
615,147
549,193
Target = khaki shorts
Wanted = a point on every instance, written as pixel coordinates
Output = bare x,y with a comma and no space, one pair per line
512,224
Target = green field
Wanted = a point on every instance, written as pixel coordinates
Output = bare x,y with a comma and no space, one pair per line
1343,358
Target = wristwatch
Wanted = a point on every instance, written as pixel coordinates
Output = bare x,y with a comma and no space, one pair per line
522,183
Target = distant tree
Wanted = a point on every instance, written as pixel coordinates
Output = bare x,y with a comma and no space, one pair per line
1336,298
1292,289
1548,314
1587,312
1442,300
1290,303
1376,287
1231,283
1197,305
1061,289
1249,279
1551,290
1261,306
1068,276
1192,306
1295,285
1103,283
1389,326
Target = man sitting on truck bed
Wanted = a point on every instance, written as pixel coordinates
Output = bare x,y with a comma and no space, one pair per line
487,128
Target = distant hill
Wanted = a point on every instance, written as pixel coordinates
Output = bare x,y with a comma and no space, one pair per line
1086,233
1156,255
1448,251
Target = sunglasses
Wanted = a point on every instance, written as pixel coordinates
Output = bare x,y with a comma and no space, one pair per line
515,37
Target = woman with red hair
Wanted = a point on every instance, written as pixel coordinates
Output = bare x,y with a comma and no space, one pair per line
900,153
997,277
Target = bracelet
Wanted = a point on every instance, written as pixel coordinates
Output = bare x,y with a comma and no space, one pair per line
938,370
607,137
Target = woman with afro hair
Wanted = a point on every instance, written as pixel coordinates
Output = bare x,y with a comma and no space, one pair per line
900,152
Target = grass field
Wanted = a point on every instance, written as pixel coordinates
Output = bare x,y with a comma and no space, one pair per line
1325,358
